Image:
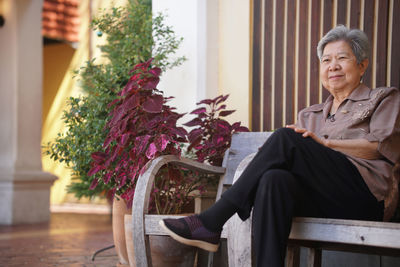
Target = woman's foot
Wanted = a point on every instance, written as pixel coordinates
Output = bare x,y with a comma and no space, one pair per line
191,231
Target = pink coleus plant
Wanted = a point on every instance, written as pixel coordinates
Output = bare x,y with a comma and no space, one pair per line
141,127
213,134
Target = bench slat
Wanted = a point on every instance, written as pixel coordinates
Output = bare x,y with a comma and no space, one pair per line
377,234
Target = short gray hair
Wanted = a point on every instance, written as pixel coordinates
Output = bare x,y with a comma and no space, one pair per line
356,38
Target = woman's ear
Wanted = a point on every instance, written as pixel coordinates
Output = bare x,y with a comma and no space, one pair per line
363,66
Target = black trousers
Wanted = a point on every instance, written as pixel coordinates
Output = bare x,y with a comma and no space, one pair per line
296,176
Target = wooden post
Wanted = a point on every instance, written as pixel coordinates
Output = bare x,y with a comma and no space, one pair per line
293,256
314,257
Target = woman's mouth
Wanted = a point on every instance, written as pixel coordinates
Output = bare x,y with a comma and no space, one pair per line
333,77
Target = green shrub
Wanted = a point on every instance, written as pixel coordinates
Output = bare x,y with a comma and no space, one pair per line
133,36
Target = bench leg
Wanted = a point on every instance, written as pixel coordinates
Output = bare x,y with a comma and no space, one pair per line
293,256
314,257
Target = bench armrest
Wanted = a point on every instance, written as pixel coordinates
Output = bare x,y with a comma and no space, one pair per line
142,194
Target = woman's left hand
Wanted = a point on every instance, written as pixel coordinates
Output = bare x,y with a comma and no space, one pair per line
307,133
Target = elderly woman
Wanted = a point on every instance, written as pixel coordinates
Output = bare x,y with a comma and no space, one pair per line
335,162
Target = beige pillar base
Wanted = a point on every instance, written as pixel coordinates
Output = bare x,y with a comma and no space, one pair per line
25,197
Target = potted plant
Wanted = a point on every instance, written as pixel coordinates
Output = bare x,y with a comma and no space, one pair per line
143,126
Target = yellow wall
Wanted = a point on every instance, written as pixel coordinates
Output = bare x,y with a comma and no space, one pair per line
56,60
56,63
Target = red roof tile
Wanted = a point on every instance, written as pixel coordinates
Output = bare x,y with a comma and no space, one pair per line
60,20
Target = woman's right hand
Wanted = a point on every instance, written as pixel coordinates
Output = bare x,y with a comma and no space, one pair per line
307,133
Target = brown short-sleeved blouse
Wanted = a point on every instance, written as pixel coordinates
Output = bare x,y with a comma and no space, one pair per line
370,114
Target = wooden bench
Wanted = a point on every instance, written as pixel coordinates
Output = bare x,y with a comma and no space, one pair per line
359,236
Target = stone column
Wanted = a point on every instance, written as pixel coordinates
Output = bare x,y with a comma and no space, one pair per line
24,187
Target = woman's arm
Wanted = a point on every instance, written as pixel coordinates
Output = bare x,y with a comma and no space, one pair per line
360,148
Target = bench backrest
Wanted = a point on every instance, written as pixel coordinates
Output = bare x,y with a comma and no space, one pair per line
243,144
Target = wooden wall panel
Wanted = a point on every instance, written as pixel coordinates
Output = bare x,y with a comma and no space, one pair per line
382,42
278,63
341,12
268,61
355,6
290,62
255,121
302,56
285,67
314,66
369,11
395,45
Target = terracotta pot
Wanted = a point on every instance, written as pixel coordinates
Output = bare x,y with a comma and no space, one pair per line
118,212
165,252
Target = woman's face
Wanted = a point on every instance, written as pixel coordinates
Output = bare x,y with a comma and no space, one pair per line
339,71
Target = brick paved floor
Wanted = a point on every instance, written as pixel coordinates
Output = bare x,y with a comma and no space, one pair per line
67,240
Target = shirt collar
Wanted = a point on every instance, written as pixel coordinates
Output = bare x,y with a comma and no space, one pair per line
362,92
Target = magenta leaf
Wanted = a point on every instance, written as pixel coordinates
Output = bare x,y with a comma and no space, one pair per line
180,131
221,107
93,184
194,122
225,113
107,177
161,142
198,111
141,143
153,104
124,139
131,102
194,134
95,170
98,157
155,71
218,140
132,84
222,99
205,101
151,151
151,83
242,129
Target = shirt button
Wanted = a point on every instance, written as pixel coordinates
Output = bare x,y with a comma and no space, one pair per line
326,136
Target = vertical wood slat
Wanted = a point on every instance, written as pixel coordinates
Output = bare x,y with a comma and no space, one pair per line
380,42
355,6
267,112
395,58
328,24
302,60
314,63
279,40
369,7
256,67
341,12
386,71
290,61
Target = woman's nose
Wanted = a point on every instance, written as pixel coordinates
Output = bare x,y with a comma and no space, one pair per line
334,65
